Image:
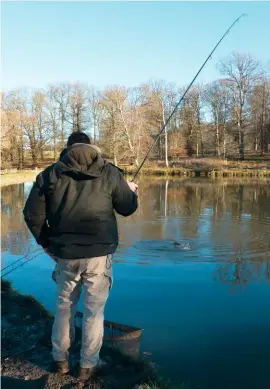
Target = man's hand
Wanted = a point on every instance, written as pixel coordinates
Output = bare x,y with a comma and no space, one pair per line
50,255
132,186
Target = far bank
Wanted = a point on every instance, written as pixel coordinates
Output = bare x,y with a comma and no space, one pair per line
186,168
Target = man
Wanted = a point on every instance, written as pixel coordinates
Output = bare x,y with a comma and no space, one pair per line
70,212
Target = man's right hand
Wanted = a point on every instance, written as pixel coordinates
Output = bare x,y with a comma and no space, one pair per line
132,186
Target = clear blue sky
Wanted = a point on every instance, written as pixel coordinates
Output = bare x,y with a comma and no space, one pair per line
127,43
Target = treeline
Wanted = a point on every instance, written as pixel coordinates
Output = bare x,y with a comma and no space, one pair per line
230,116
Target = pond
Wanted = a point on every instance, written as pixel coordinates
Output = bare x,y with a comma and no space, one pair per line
192,270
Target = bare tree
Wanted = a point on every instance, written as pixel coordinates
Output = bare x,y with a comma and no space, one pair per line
192,120
40,120
110,135
161,100
12,106
35,124
53,116
96,111
243,72
218,99
115,101
229,115
61,94
260,106
138,124
78,108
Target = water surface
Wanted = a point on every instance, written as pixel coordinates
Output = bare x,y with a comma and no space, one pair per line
203,304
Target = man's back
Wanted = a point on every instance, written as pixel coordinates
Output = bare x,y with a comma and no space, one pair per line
77,196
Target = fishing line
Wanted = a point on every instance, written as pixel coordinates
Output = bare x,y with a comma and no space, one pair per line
183,96
158,136
22,264
20,259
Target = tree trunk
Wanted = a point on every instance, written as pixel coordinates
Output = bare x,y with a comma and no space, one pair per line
22,153
166,147
41,153
224,133
33,144
262,141
266,139
54,138
115,154
94,133
34,156
159,149
256,143
224,147
62,131
166,137
54,147
202,145
241,143
199,131
217,141
21,150
79,127
217,137
12,148
114,141
263,125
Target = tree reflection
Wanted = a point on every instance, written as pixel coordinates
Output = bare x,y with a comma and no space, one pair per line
242,272
15,238
226,223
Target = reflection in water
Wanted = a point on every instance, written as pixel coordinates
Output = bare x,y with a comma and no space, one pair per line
15,236
226,224
196,329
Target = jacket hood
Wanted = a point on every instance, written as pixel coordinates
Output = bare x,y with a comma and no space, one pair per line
81,159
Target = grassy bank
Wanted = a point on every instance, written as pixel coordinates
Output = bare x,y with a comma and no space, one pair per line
200,172
205,167
18,177
185,168
26,353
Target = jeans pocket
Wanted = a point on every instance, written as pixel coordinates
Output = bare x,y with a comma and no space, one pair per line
110,278
109,270
55,274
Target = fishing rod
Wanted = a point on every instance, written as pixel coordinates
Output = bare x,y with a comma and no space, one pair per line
21,259
158,136
184,95
20,265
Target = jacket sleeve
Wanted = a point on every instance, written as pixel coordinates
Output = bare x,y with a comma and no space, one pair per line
35,212
125,201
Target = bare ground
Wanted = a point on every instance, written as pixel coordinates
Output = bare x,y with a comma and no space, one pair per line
26,353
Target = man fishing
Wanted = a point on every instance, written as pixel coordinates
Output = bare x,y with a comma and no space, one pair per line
70,212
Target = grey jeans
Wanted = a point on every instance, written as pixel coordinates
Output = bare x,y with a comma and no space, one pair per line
94,275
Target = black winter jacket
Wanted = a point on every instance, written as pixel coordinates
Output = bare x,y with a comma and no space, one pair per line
70,209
